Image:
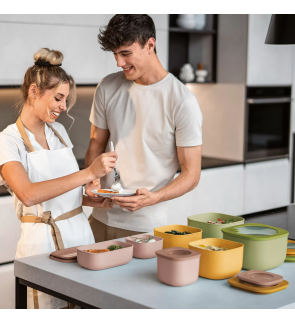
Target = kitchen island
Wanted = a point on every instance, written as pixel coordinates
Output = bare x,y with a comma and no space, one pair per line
135,285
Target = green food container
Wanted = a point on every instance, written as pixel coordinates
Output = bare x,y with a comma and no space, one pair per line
212,230
264,246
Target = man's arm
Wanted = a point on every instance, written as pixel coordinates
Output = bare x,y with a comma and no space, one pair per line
190,162
97,145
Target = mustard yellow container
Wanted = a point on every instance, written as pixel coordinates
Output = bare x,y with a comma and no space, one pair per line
219,264
171,240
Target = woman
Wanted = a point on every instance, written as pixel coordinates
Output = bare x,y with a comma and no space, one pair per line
39,169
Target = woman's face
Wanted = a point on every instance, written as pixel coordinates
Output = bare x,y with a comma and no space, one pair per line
48,106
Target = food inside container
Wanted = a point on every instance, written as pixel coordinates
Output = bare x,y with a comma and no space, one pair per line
219,264
145,245
212,223
265,246
178,266
211,248
98,251
174,232
115,247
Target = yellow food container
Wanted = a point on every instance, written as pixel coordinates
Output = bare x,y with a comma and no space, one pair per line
219,264
171,240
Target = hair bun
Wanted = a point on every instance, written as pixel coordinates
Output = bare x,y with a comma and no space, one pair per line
50,56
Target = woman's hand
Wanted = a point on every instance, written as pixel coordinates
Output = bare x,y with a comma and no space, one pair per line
105,203
103,164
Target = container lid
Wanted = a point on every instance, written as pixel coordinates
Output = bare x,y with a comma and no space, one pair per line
255,232
260,278
178,254
291,247
65,255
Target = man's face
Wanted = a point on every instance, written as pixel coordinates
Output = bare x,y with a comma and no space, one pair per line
133,59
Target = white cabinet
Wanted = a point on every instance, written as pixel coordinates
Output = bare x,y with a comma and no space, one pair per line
10,229
7,286
219,190
266,64
267,185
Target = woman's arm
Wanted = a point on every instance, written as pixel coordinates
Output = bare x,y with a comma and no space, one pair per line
35,193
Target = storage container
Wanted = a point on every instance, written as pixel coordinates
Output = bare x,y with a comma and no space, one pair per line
178,266
264,246
212,230
145,250
291,247
260,278
219,264
100,261
171,240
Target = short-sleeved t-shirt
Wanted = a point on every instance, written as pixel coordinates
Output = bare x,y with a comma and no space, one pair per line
12,147
146,124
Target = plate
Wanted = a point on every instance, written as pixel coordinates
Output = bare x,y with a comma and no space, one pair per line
125,193
260,278
235,282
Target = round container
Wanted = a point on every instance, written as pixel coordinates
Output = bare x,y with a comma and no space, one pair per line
178,266
145,250
171,240
212,230
219,264
264,246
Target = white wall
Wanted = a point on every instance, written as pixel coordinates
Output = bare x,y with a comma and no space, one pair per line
74,35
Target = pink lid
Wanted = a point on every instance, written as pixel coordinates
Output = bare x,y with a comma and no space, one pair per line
178,254
260,277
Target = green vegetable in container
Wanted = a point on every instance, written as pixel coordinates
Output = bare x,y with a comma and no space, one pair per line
115,247
177,232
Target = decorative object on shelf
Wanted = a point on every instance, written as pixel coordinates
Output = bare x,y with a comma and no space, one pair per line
200,21
186,21
187,73
201,73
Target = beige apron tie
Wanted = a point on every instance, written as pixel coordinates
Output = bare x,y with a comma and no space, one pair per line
47,219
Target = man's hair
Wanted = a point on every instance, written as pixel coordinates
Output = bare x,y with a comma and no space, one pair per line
124,30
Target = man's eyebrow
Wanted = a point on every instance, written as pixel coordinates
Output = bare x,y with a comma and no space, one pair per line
125,51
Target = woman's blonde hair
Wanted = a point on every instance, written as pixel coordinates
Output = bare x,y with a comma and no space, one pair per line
47,74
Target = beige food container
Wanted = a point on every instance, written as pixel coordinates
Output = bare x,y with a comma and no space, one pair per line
105,260
145,250
178,266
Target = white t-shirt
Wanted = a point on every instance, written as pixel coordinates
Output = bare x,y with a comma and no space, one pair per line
12,148
146,125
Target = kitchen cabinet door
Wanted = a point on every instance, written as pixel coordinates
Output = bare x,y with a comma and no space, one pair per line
219,190
10,229
267,185
266,64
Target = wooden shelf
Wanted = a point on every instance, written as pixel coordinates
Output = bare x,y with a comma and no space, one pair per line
192,31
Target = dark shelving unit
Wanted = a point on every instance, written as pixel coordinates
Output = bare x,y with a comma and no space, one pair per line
194,47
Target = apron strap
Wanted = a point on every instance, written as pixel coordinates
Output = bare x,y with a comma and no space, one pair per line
24,135
57,134
47,219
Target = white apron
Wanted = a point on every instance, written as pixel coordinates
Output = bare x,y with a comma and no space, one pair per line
45,236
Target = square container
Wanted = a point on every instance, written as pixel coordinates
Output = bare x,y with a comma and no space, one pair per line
100,261
219,264
291,248
178,266
264,246
171,240
145,250
260,278
212,230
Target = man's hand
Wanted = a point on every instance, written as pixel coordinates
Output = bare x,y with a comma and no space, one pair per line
142,199
100,202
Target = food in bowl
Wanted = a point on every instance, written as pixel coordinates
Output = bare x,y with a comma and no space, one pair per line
174,232
211,247
97,251
143,240
221,221
115,247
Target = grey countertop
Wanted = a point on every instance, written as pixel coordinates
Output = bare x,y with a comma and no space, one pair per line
135,285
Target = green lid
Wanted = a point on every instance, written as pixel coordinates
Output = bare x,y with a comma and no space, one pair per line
290,258
255,232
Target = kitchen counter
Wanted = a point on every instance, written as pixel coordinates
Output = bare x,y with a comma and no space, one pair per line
135,285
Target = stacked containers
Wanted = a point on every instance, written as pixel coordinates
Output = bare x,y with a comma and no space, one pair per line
212,230
264,246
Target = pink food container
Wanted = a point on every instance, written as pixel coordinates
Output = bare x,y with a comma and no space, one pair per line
178,266
105,260
145,250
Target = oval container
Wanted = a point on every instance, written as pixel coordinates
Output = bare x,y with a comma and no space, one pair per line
212,230
219,264
178,266
264,246
145,250
101,261
171,240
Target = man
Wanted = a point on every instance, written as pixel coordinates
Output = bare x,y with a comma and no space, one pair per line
154,122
